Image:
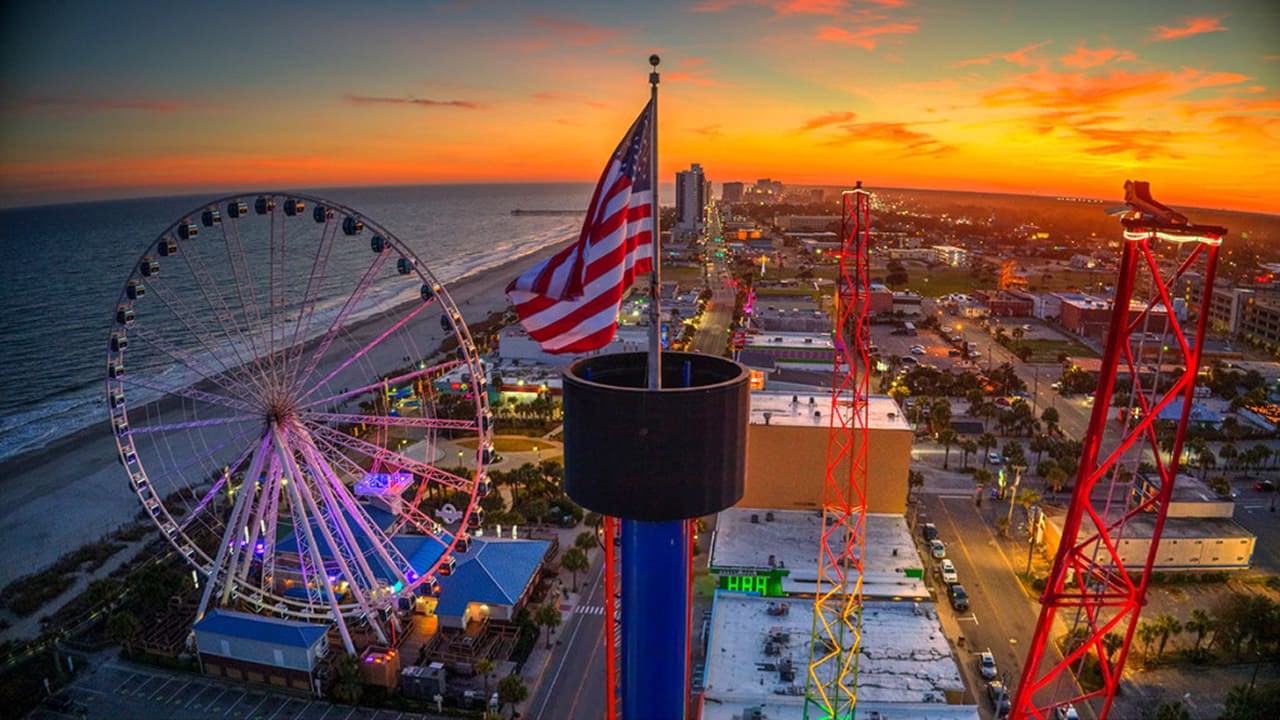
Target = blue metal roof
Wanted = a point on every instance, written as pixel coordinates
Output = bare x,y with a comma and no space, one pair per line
494,572
260,628
421,551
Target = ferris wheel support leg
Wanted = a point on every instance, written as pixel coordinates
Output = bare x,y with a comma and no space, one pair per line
320,577
232,533
361,580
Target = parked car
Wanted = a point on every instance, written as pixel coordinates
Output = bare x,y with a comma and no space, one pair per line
1066,711
937,549
1264,485
908,360
948,571
987,665
998,694
929,531
917,350
958,597
995,458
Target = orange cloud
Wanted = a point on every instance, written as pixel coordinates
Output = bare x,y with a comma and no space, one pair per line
899,134
691,70
708,131
1091,93
831,118
780,7
862,37
417,102
1021,56
1083,57
1143,143
1190,26
95,105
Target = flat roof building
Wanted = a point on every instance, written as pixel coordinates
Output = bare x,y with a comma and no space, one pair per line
787,440
758,657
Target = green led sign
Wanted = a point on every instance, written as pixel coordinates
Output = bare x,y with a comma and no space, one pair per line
767,583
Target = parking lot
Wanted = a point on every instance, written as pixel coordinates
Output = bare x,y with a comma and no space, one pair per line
936,351
119,690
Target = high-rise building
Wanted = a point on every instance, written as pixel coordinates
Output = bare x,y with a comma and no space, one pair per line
691,200
731,192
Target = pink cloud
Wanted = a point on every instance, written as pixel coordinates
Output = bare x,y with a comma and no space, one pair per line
1189,27
1083,57
691,70
831,118
416,102
1021,56
864,36
779,7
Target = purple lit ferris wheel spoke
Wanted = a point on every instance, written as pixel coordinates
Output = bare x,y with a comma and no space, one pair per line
169,427
213,491
377,386
301,330
221,378
389,420
246,294
193,394
295,378
196,328
361,352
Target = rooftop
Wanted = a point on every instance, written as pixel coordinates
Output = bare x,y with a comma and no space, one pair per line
776,339
493,571
262,628
905,669
798,409
892,566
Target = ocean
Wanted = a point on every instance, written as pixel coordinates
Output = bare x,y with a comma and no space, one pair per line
66,265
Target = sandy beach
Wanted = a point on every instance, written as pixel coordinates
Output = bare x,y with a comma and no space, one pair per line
74,490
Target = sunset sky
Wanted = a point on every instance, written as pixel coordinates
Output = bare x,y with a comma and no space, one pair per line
134,98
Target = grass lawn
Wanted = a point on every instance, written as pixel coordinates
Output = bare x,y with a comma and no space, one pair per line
1047,351
509,443
944,281
686,276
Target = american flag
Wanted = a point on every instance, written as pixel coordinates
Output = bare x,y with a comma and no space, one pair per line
569,303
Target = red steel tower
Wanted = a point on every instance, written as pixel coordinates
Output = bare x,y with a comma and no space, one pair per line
832,683
1094,589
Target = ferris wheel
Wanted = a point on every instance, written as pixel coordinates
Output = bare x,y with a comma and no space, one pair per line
270,378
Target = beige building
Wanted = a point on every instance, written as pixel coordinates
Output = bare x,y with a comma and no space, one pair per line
787,452
1199,533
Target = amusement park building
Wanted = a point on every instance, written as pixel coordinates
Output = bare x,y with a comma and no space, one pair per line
787,452
260,649
491,581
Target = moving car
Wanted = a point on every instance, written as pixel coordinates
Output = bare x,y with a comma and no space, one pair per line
929,531
958,597
937,549
987,665
1264,485
948,571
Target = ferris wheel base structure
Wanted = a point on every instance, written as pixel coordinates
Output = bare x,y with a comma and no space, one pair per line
1092,589
657,459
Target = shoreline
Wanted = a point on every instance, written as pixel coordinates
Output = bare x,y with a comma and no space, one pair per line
71,491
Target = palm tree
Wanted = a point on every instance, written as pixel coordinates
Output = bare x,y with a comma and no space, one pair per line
1228,454
1051,419
484,667
947,438
915,479
586,540
1146,635
575,561
969,447
348,680
1200,624
547,617
1111,642
1166,625
986,441
1056,480
511,691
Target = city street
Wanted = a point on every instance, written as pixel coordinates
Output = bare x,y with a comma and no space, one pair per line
572,685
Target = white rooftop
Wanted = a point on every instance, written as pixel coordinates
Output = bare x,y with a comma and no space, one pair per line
905,669
882,411
775,339
892,566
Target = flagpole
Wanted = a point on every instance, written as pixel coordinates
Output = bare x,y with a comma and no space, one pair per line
655,275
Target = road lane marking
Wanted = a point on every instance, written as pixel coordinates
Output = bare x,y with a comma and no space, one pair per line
565,654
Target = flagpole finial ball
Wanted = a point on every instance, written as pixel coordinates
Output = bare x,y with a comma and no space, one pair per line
654,60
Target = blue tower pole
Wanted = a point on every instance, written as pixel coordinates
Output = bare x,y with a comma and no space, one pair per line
655,618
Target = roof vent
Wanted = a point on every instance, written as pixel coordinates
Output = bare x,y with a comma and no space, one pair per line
767,417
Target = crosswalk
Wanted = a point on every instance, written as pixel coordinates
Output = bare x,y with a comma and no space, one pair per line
589,610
